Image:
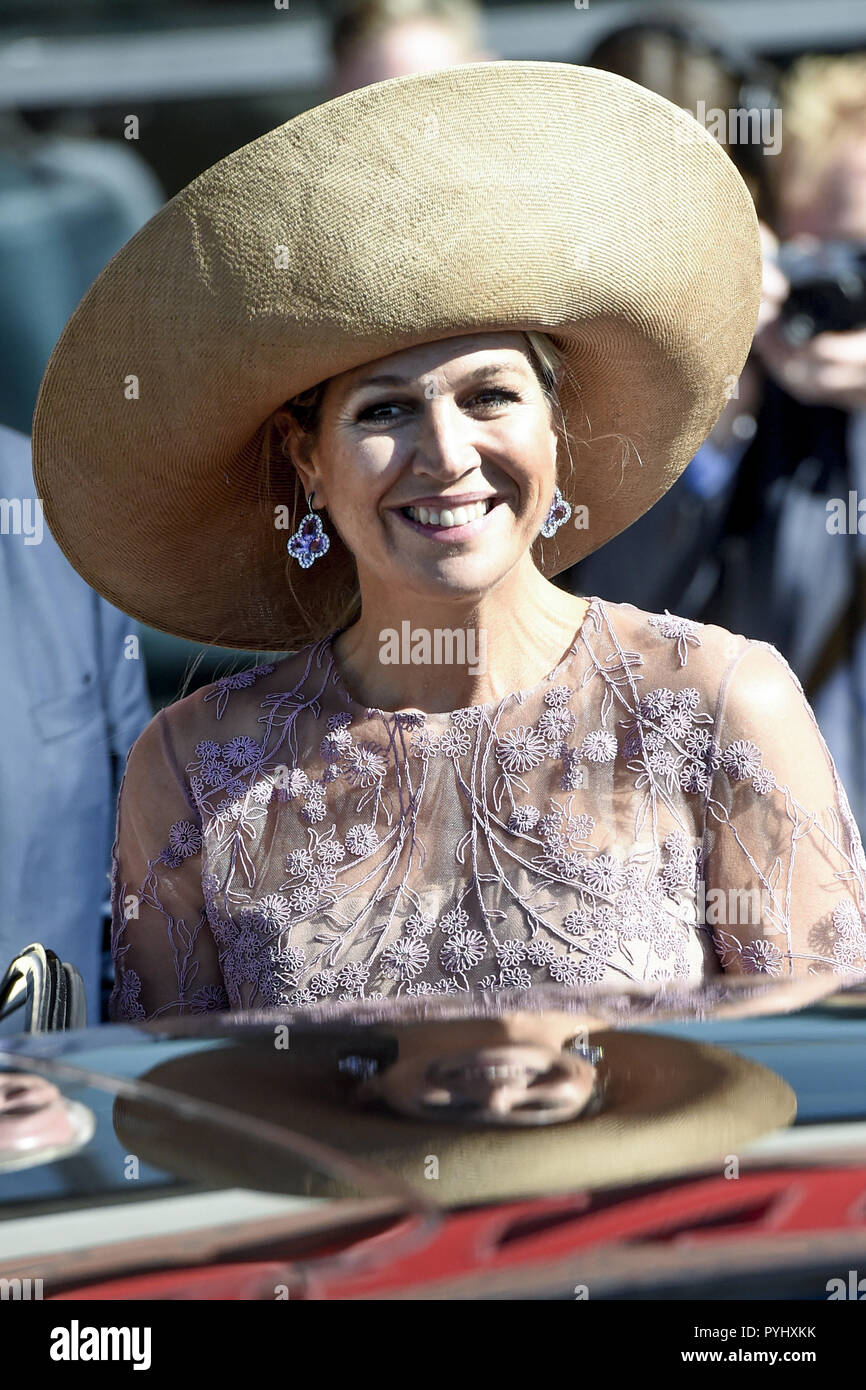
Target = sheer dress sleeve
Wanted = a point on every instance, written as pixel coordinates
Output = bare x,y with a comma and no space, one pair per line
784,872
164,953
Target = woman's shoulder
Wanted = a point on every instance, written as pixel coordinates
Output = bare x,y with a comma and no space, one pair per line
676,648
741,678
233,705
669,652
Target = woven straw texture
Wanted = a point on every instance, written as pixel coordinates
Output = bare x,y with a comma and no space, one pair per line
494,196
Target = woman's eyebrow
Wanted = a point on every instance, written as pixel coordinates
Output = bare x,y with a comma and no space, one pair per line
392,379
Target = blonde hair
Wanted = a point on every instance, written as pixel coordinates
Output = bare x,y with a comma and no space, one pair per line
825,97
824,105
341,609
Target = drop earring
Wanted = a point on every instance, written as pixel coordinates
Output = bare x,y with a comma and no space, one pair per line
560,511
309,542
362,1068
581,1048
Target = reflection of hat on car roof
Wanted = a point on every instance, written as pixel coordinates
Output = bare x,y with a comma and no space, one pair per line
670,1106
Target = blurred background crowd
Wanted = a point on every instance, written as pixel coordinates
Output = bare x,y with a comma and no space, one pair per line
109,107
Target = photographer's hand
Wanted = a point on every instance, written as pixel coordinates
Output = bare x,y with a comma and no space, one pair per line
830,369
774,287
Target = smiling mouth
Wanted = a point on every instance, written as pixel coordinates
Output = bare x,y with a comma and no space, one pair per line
446,518
493,1071
498,1073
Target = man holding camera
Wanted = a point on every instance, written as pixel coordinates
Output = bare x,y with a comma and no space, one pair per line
811,437
748,538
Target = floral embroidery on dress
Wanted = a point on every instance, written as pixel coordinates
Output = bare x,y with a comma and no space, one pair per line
241,680
592,830
682,630
184,839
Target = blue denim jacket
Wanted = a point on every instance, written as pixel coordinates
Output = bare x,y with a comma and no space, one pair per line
73,699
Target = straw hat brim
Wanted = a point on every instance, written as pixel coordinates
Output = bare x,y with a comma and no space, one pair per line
492,196
670,1106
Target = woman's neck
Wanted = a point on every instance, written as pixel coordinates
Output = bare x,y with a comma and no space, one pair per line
437,656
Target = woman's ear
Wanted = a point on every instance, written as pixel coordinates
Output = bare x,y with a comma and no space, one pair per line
296,447
292,439
283,422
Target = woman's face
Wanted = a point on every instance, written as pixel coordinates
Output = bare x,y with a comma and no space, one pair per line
438,478
506,1083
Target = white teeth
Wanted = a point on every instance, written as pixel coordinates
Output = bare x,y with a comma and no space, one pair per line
502,1072
460,516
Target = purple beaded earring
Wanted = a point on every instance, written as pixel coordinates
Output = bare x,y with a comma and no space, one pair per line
309,542
560,511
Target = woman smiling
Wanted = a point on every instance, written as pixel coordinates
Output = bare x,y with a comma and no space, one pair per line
468,330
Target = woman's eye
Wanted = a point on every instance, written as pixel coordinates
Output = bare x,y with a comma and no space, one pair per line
500,392
372,412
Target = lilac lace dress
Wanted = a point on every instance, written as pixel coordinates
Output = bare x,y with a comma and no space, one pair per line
661,808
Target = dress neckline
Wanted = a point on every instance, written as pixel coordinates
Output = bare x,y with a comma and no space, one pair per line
519,695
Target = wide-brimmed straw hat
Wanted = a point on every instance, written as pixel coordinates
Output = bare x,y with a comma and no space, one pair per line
494,196
669,1106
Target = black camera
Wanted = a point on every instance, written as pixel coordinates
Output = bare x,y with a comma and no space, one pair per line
828,288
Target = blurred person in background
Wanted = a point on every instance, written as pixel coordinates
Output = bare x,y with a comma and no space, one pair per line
73,696
669,559
67,203
805,566
73,699
371,40
741,537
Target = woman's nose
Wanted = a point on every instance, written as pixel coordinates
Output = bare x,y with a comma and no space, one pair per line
498,1097
501,1100
444,443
